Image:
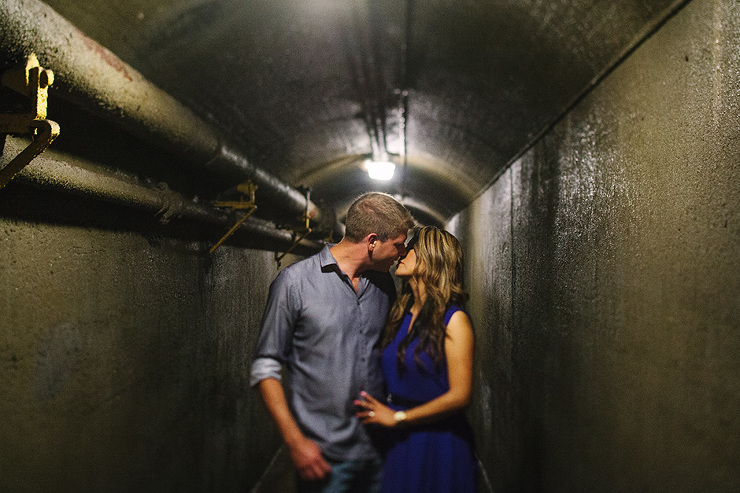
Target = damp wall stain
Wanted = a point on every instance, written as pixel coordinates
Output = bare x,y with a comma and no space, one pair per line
56,360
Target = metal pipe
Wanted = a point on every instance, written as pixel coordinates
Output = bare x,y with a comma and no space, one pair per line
91,76
85,179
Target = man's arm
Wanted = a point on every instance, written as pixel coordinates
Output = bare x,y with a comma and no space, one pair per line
305,453
272,349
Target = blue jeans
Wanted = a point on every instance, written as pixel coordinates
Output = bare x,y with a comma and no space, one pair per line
350,476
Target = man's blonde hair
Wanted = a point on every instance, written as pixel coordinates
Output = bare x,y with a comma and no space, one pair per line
379,213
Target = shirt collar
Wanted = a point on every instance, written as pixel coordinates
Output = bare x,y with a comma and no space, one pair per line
326,258
329,263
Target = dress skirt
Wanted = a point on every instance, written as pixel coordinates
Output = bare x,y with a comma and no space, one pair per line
432,459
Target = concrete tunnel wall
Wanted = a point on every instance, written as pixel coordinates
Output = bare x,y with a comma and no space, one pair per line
603,270
604,273
125,356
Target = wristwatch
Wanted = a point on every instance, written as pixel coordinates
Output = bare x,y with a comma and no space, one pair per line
399,416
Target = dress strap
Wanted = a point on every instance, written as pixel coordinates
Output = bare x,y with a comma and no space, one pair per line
451,311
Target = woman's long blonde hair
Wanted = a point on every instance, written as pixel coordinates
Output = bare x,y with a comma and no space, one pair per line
439,267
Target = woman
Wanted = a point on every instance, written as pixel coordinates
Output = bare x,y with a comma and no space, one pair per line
427,363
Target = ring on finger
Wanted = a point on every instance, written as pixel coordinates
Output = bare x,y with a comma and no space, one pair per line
371,413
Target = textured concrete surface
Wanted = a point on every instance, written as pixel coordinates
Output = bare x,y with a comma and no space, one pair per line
605,279
603,267
125,358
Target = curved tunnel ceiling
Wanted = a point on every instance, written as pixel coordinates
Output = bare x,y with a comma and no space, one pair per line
451,90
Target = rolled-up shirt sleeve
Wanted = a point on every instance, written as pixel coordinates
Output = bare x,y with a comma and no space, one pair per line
274,343
263,368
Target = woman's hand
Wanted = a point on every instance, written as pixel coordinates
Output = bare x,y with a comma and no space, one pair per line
374,412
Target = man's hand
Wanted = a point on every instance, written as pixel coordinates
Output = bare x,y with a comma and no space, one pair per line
305,453
308,460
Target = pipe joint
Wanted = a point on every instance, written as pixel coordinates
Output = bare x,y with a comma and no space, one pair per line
172,204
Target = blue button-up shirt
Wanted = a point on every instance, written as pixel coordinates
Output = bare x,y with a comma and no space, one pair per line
325,334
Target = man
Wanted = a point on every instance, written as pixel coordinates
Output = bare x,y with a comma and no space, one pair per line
323,317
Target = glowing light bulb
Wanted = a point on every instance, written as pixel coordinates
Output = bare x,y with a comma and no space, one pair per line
380,170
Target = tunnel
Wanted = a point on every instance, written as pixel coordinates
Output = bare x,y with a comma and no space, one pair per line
163,160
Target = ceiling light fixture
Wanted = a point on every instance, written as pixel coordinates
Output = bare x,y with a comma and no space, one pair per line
380,170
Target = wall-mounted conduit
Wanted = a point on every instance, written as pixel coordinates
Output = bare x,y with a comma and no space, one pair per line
51,172
91,76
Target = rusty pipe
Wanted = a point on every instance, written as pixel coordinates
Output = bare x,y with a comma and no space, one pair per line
51,171
93,77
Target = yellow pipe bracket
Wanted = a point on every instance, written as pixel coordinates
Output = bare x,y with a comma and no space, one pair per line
299,235
31,81
248,205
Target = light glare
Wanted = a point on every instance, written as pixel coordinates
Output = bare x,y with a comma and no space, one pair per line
380,170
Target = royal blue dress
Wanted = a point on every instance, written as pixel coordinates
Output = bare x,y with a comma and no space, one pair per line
431,458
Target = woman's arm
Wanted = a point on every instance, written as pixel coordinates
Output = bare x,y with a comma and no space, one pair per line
459,354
